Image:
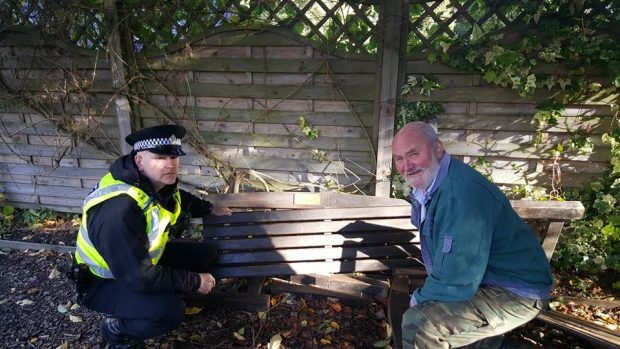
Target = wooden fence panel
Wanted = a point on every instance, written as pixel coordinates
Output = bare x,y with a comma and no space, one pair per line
245,93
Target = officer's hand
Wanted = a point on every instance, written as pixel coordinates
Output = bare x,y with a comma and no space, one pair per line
207,283
221,211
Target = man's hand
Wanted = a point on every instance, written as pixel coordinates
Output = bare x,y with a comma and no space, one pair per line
221,211
207,283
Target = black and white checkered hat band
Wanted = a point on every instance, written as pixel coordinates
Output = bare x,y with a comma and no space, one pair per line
156,143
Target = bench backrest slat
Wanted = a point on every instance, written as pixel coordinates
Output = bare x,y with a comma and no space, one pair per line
321,253
328,267
309,227
310,214
277,242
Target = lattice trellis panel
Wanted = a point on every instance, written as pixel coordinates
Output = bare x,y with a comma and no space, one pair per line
434,23
78,22
342,25
157,24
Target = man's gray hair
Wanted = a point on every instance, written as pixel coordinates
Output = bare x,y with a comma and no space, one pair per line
427,129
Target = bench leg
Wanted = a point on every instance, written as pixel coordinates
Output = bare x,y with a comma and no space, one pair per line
398,302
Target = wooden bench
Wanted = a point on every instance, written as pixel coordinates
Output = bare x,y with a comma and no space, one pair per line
299,234
308,238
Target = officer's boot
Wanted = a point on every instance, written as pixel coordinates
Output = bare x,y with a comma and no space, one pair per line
114,339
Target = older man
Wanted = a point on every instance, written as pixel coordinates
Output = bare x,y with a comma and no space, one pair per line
129,270
487,272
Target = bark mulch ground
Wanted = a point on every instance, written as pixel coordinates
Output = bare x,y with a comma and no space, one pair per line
37,310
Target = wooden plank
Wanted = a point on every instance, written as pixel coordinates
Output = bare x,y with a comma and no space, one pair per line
336,239
115,55
24,245
481,94
277,141
68,172
277,285
258,65
305,92
372,287
58,181
542,179
322,253
74,204
289,128
84,151
508,150
10,117
227,153
398,302
15,178
481,122
58,62
312,268
551,237
297,200
309,214
253,302
210,51
268,116
46,190
309,227
552,210
249,37
390,79
603,303
595,334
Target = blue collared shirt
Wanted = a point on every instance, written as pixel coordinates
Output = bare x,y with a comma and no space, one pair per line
419,204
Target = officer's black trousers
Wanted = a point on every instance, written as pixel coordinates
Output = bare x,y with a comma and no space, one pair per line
146,315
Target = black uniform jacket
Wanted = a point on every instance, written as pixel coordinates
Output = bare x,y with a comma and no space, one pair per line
117,229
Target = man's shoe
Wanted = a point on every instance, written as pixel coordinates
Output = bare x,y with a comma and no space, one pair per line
114,339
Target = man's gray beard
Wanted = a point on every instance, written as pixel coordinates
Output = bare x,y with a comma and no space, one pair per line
427,175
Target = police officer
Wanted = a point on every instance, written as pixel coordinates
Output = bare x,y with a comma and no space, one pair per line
138,278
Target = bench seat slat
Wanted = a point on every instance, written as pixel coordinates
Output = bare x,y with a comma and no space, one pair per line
315,240
311,227
322,253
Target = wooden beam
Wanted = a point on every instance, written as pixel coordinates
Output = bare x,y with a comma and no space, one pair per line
123,110
389,79
251,302
551,238
277,285
598,335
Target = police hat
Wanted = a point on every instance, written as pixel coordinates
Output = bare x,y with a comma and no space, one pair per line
164,139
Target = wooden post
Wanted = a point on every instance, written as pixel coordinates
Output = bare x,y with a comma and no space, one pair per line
123,111
390,72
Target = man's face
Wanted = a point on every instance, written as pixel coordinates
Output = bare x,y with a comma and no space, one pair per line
416,158
161,170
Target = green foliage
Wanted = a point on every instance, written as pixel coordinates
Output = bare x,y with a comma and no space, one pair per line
35,218
422,86
400,188
483,166
6,216
548,113
418,110
592,244
308,130
573,34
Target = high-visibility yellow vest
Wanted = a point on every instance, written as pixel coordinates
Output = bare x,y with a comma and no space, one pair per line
158,219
